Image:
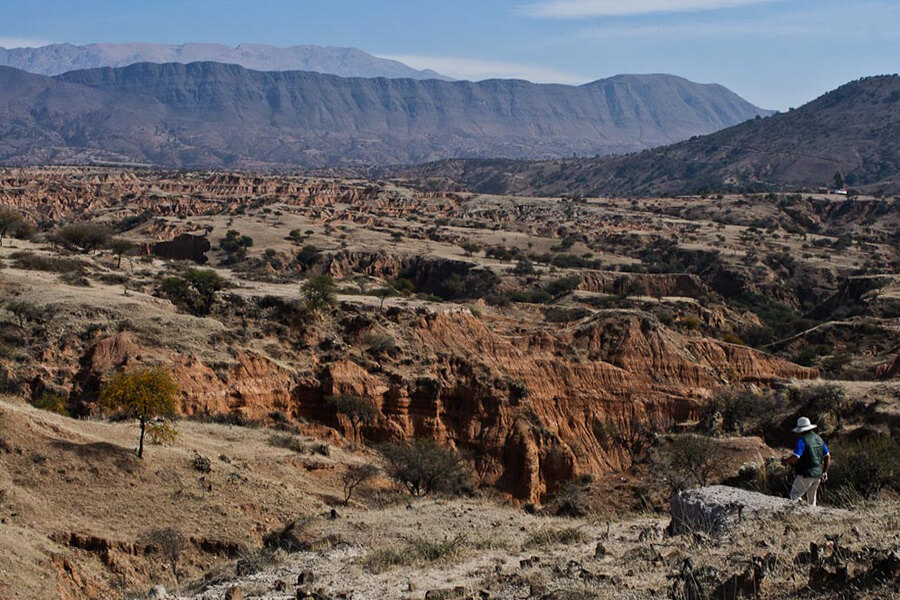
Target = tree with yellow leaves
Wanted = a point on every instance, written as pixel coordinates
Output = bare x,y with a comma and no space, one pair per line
143,394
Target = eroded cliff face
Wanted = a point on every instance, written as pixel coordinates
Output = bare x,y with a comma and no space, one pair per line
528,408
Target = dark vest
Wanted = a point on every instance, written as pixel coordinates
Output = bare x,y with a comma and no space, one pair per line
810,464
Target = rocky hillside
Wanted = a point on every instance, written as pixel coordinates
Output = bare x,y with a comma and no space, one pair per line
214,115
853,130
345,62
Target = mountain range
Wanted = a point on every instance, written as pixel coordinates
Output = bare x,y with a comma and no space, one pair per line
214,115
345,62
853,131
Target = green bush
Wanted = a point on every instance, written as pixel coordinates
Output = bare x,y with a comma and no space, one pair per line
49,401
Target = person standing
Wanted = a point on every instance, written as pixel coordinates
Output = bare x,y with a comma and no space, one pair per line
810,460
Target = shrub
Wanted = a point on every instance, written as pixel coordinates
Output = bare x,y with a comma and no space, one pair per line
822,400
868,466
170,543
194,290
692,459
415,551
635,437
734,407
84,237
51,264
13,224
422,466
162,433
470,248
379,344
51,402
551,537
565,285
290,442
201,463
143,394
308,256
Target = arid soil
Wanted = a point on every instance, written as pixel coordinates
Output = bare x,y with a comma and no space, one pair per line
517,331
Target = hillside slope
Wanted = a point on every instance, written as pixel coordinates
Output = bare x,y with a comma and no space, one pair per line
214,115
854,130
55,59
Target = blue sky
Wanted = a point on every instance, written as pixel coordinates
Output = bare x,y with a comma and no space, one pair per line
775,53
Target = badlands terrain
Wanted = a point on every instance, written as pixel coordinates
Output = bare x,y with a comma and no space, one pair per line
577,354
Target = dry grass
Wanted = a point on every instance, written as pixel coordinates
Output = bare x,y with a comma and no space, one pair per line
550,537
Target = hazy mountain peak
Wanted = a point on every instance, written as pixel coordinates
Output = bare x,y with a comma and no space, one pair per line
345,62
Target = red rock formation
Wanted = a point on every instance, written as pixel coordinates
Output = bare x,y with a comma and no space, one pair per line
528,407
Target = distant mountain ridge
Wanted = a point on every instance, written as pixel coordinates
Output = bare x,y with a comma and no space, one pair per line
853,130
55,59
212,115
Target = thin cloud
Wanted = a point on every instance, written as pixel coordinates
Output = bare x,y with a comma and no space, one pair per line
572,9
476,70
18,42
691,31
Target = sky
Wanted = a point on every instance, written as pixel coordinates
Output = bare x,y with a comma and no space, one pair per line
776,53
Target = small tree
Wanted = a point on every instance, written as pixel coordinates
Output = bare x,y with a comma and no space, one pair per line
357,410
171,544
121,247
470,248
422,466
319,293
693,457
383,293
235,245
355,476
143,394
84,237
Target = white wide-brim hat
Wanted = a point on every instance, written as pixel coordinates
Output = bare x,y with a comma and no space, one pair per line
803,425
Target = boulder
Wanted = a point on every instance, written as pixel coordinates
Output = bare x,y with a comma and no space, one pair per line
290,538
714,509
157,592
